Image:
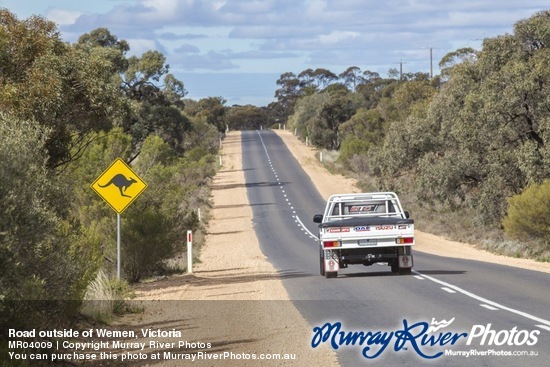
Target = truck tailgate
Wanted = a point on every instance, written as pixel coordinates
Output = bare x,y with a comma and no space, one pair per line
367,232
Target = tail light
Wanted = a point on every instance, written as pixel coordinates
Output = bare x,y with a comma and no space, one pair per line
331,244
403,240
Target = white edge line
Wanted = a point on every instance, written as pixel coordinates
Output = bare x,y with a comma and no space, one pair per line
448,290
489,307
543,327
485,300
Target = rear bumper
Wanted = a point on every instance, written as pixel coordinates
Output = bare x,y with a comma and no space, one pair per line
372,255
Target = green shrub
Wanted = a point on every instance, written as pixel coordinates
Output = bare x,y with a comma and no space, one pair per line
351,148
149,239
529,214
46,259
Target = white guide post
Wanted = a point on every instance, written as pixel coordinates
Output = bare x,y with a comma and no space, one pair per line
189,252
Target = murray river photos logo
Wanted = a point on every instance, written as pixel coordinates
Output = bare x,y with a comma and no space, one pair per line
427,340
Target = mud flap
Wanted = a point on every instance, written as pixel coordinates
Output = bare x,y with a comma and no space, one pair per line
405,261
331,264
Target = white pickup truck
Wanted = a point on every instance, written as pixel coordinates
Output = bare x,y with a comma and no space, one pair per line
365,228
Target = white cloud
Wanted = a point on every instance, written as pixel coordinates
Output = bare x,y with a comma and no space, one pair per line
139,45
246,7
187,48
337,37
171,36
217,5
483,18
63,16
212,60
315,8
163,9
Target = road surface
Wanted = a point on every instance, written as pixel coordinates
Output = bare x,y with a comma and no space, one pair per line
506,304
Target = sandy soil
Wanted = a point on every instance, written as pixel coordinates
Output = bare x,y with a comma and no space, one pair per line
235,299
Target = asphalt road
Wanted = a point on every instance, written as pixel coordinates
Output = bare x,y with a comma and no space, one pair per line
484,301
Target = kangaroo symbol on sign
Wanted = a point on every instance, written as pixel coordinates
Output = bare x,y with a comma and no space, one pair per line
121,182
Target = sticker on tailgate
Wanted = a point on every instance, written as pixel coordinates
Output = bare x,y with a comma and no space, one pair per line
361,228
338,230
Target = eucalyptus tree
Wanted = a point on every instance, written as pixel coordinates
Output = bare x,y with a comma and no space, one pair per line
352,77
465,54
66,89
340,106
211,110
288,93
323,78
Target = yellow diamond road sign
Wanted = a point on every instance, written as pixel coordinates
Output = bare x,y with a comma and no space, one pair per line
119,186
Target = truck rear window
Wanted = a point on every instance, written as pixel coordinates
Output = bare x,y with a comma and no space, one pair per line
363,208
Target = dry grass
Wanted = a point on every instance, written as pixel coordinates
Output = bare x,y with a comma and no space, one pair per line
99,301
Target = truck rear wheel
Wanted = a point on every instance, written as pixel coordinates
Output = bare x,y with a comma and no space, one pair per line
405,271
394,266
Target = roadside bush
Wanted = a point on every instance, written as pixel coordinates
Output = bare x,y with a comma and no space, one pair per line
349,152
44,256
149,238
528,214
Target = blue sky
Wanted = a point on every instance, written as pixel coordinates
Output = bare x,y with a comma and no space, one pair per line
237,49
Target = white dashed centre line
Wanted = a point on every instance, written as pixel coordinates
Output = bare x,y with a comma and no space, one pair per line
297,220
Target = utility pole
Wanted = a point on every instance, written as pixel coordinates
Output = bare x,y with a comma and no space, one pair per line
401,69
431,61
431,64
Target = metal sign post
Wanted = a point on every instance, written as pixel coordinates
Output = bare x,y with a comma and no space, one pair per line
118,245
